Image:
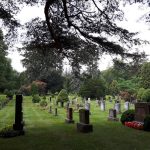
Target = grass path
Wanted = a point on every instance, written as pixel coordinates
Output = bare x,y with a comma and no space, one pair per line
47,132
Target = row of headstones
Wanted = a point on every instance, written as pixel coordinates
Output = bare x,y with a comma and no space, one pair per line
117,106
84,123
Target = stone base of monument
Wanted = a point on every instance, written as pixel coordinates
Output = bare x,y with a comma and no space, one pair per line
18,126
113,119
85,128
69,121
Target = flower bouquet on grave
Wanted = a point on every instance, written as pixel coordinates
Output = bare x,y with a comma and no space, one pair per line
134,124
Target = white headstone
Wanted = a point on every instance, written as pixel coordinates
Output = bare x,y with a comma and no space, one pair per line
87,106
126,105
89,100
102,105
117,107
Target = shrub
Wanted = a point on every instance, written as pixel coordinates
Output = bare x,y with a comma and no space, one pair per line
36,99
146,96
34,89
43,103
62,96
147,123
127,116
9,94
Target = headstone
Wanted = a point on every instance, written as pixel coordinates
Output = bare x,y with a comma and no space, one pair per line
89,100
50,109
126,105
102,105
69,118
50,99
18,125
118,107
141,111
87,107
67,105
84,124
55,112
113,115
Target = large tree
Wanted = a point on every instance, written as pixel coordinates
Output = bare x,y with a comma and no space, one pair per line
77,28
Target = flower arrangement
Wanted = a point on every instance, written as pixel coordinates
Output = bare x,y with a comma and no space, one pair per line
134,124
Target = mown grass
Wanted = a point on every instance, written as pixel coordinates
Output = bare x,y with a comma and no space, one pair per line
45,131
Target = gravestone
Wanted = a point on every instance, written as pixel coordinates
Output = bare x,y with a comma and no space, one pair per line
87,107
113,115
50,109
84,124
55,112
89,100
102,105
67,105
126,105
18,125
69,118
117,106
50,99
141,111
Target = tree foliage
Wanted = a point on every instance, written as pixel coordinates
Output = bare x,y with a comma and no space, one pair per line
62,96
145,75
93,88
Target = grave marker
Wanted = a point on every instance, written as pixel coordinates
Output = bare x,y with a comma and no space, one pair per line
18,125
83,125
113,115
69,118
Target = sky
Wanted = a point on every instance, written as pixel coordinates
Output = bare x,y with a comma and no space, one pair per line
131,22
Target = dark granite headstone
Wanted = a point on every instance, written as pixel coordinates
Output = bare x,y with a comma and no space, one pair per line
50,99
55,112
113,115
69,118
141,110
83,125
18,125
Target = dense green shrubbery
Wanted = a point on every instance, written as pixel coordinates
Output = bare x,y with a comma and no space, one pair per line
146,95
36,99
127,116
93,88
9,94
43,103
140,93
147,123
62,96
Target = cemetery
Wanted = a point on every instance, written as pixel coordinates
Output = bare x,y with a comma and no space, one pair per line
74,75
60,127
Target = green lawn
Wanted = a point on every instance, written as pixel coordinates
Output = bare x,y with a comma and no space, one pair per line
47,132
